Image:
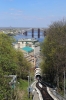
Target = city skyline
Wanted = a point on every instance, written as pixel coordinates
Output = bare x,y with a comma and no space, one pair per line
31,13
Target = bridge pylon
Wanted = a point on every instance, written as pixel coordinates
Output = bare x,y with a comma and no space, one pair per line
32,32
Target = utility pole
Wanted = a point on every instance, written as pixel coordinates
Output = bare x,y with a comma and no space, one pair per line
64,83
28,86
28,81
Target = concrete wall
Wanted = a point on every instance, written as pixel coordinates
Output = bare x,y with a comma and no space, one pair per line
16,46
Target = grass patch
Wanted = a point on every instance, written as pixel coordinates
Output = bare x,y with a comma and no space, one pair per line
23,84
23,87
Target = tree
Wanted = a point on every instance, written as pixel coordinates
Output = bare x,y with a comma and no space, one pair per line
12,62
7,55
23,65
54,51
7,65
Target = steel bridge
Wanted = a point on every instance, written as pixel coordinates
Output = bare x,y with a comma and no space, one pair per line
39,30
24,31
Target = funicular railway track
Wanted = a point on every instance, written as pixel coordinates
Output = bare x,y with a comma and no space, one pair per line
44,92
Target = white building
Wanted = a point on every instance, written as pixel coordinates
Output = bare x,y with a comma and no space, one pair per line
30,48
33,43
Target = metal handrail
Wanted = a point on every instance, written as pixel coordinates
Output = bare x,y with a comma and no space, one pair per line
55,93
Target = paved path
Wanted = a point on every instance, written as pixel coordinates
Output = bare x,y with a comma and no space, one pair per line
36,96
35,92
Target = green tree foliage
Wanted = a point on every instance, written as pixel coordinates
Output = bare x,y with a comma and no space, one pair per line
54,52
23,65
13,62
5,90
7,55
7,65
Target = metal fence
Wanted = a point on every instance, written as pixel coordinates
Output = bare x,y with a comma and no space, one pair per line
56,94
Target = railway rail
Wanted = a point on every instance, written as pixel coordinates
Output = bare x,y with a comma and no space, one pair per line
44,92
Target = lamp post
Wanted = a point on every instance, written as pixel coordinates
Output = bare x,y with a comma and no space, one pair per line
64,80
64,83
28,86
28,81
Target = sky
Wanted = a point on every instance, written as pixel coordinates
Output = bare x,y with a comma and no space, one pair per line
31,13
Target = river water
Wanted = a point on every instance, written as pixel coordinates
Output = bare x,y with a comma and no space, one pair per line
29,35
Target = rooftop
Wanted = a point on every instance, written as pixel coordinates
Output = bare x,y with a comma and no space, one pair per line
27,49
